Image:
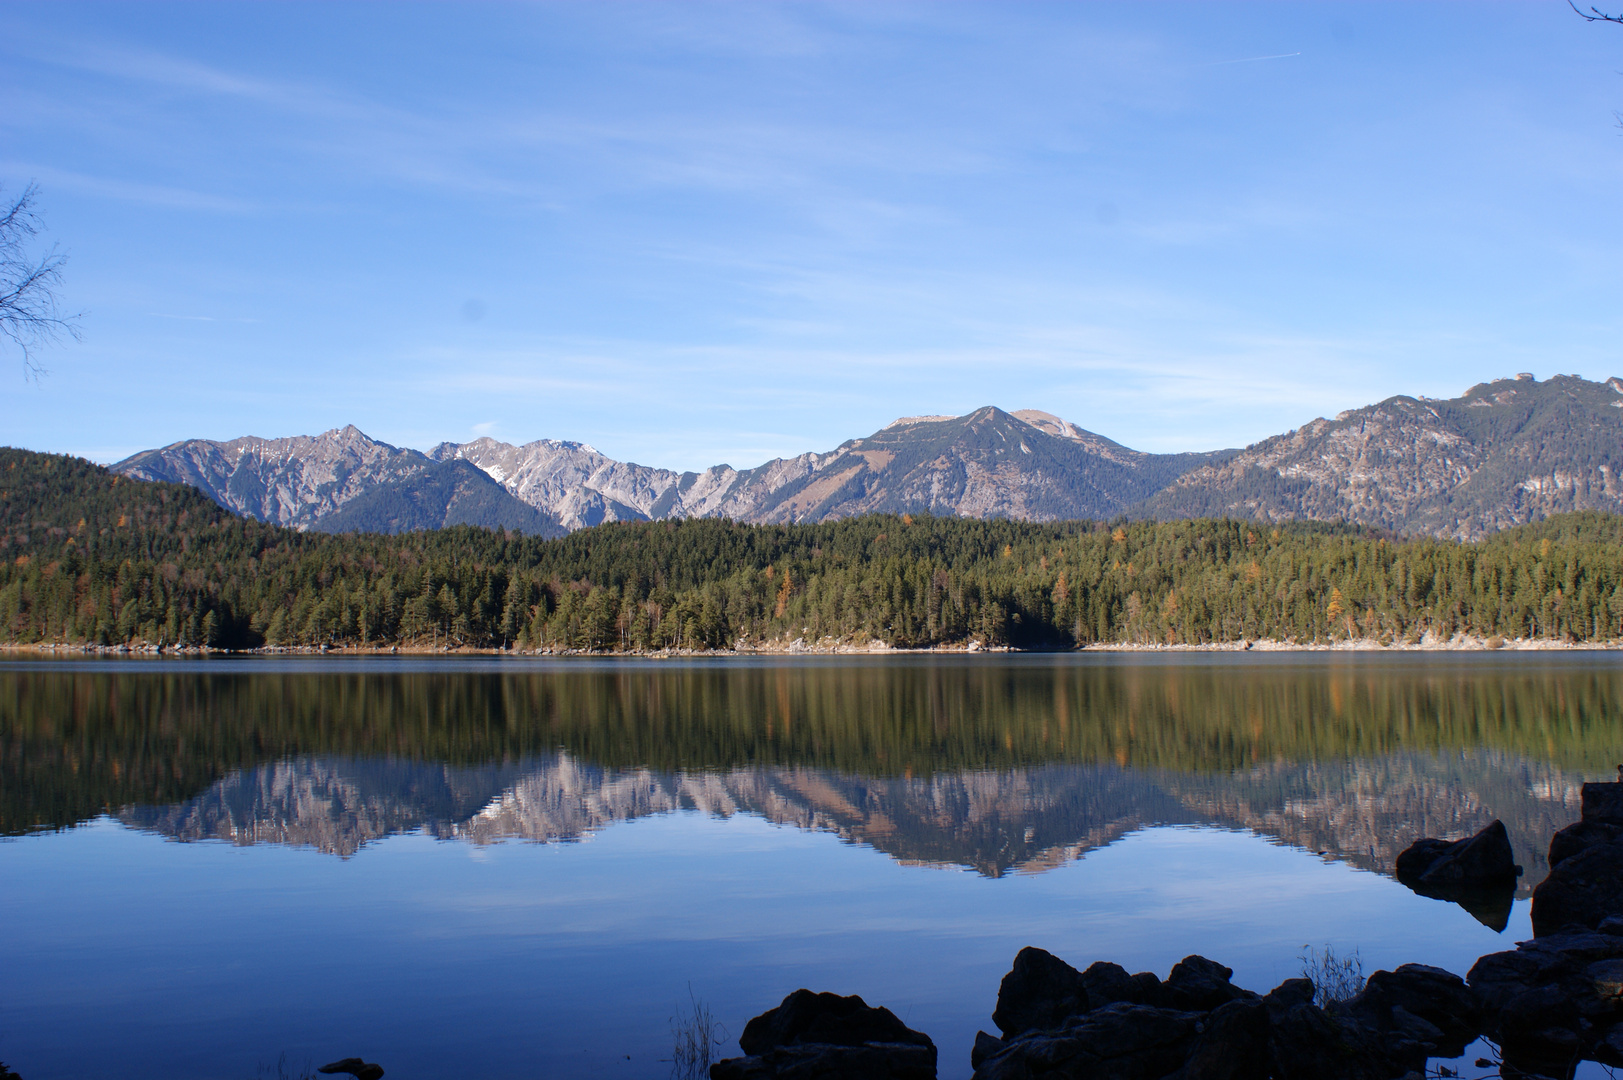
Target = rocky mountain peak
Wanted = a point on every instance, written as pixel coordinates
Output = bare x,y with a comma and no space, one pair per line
1504,452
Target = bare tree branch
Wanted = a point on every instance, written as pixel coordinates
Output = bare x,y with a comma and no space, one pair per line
29,316
1596,14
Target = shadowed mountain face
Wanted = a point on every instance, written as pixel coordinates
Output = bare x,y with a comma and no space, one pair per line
1004,765
1503,453
442,494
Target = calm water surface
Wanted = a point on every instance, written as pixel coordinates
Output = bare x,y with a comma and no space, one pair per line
506,868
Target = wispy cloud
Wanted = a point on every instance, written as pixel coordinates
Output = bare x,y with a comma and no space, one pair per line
1254,59
130,191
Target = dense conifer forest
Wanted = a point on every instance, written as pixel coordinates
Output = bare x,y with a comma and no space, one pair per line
90,558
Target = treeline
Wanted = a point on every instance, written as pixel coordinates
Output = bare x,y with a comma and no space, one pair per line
86,557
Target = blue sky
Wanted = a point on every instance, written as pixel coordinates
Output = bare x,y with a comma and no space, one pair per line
694,233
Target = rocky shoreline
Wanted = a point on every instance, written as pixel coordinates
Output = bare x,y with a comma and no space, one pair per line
1548,1004
834,647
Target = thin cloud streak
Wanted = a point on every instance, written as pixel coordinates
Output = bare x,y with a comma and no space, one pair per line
1254,59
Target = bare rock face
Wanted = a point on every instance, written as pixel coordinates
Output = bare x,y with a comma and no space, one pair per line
1503,453
813,1036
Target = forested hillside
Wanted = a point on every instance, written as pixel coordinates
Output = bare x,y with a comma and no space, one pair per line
93,558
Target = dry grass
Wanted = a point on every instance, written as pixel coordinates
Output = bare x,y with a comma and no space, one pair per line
1335,978
695,1037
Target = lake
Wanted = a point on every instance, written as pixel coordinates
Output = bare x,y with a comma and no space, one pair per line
496,867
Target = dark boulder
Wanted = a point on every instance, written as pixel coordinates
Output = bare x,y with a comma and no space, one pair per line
1583,890
820,1061
1421,1004
1554,1000
807,1017
360,1070
1039,992
1200,985
1306,1043
1287,994
1539,1033
812,1036
1478,873
1147,988
1197,1025
1105,984
1581,835
1122,1041
1232,1044
985,1046
1604,802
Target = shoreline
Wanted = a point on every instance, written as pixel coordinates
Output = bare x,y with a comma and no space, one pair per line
831,647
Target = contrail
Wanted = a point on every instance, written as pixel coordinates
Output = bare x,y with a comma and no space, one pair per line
1253,59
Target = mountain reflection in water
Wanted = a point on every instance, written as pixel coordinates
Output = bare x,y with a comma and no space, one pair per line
1023,820
994,763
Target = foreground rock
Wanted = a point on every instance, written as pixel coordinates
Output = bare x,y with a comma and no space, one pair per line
1558,999
1585,883
1061,1023
828,1037
1478,873
354,1066
1549,1003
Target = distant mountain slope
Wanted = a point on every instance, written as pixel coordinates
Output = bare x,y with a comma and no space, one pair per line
1503,453
445,493
989,463
339,481
295,481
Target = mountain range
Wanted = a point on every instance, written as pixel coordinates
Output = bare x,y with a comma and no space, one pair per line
1503,453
